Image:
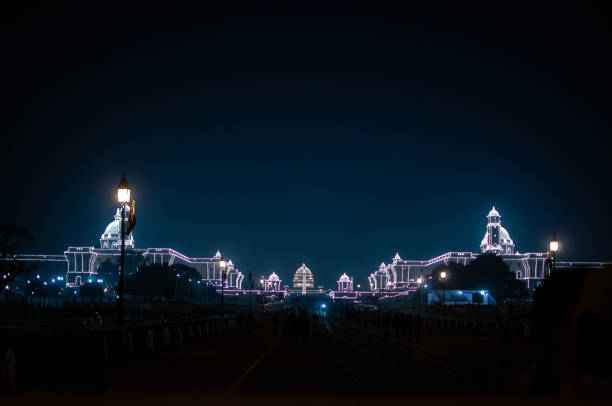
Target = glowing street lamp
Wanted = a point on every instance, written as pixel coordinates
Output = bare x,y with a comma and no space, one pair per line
420,291
123,197
123,191
443,278
553,247
554,244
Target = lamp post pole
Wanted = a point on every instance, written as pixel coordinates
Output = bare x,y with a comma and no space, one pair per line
443,276
122,269
553,247
123,196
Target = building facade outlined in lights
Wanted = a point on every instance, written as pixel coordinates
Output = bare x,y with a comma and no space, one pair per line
530,268
83,263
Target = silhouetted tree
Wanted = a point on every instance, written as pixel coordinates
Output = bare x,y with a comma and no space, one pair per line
455,278
92,289
51,290
486,272
161,280
34,289
12,241
108,271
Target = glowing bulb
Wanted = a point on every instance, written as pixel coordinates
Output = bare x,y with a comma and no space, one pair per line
554,246
123,191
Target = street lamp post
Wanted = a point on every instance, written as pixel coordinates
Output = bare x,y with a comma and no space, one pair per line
443,276
553,247
123,196
223,266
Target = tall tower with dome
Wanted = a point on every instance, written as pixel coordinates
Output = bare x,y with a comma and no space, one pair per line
497,239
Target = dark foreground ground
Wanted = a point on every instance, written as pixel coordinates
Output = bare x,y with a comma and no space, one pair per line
340,362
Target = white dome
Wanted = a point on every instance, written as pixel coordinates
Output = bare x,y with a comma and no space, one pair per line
111,238
485,239
504,236
273,277
493,212
344,278
113,228
303,278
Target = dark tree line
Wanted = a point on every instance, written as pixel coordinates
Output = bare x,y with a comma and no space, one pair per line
487,272
108,270
156,280
12,240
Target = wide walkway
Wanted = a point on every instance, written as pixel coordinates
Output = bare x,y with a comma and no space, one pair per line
341,360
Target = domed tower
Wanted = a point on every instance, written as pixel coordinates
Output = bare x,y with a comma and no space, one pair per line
111,238
303,279
497,239
273,282
345,283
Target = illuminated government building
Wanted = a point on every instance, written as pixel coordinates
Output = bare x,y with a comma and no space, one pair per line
82,263
531,268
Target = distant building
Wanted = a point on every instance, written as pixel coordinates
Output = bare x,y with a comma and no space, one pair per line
496,239
530,268
303,281
83,263
345,283
272,283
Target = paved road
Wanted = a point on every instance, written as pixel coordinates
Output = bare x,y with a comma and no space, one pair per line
341,360
354,360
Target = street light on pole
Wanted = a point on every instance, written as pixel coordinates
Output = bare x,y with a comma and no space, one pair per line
123,196
223,266
553,247
443,277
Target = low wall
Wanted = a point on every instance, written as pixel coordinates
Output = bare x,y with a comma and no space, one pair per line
76,359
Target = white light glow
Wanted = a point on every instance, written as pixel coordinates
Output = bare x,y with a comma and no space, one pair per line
123,196
554,246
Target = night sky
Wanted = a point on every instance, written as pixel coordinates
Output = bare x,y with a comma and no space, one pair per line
281,136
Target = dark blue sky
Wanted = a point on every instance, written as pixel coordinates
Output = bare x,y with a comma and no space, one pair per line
335,140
